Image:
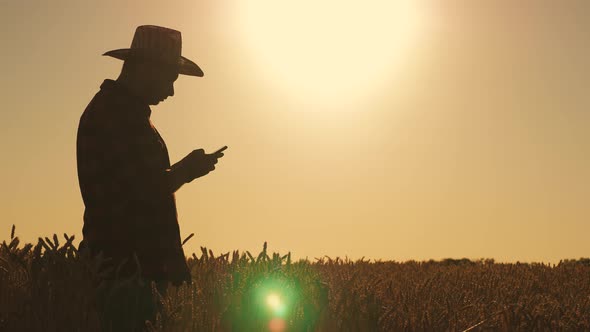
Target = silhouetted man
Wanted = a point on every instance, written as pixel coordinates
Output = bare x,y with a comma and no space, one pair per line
125,176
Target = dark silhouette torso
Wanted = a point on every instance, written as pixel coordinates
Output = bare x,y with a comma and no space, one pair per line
129,206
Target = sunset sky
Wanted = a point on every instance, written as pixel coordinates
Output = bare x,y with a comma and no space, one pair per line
389,130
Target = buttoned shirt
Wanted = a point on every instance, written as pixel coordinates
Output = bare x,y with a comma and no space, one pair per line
123,166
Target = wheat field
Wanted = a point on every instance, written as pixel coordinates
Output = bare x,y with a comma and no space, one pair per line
50,286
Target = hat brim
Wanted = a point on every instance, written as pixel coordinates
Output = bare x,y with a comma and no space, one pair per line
185,66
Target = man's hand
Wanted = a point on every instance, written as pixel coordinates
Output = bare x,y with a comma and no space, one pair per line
198,163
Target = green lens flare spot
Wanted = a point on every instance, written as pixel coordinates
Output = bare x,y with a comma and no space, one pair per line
276,304
275,297
273,300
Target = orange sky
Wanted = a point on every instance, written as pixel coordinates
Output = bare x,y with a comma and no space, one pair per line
463,132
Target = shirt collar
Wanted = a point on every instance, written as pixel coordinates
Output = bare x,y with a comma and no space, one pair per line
120,90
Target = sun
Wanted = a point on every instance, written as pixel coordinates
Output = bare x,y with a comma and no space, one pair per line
328,51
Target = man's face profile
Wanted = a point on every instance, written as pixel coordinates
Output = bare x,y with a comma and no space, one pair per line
159,82
155,80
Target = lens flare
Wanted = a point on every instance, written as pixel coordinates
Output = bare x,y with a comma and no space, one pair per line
277,325
276,304
273,300
275,297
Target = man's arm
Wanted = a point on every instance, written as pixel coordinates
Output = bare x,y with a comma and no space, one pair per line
136,161
131,161
175,177
194,165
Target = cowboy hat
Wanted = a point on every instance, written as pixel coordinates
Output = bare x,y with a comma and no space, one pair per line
158,44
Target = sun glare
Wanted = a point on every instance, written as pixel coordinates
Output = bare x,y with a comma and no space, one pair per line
328,51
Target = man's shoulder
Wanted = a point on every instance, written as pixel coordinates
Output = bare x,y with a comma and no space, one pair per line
105,105
105,100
